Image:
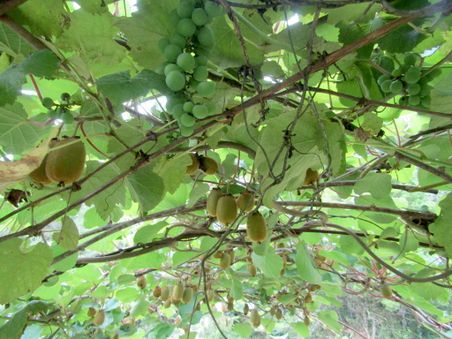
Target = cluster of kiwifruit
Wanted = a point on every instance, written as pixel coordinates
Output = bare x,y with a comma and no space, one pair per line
59,110
226,258
200,162
174,294
63,164
97,316
225,208
185,70
406,79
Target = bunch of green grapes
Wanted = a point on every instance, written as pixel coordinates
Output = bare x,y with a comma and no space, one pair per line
406,79
185,70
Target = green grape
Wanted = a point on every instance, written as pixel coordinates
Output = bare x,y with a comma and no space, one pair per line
403,101
201,60
410,59
397,72
187,120
213,9
201,73
199,17
186,61
188,106
425,90
170,67
425,101
396,87
412,75
186,131
211,108
200,111
383,78
387,63
205,37
186,28
172,101
66,97
163,43
185,8
206,88
413,89
177,111
160,69
171,52
386,85
175,80
414,100
47,102
178,40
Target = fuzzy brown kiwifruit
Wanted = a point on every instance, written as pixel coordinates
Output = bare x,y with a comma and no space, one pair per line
226,209
66,160
225,261
386,291
39,174
187,295
212,201
99,318
208,165
141,282
91,312
194,166
252,270
311,177
255,318
165,293
245,201
256,227
157,292
178,292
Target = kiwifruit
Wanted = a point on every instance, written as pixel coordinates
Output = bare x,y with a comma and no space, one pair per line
278,313
306,321
164,293
256,227
66,161
178,292
187,295
230,303
99,318
255,318
167,303
225,261
218,254
252,270
212,201
226,209
39,174
141,282
208,165
246,309
308,298
194,164
311,177
157,292
91,312
246,201
386,291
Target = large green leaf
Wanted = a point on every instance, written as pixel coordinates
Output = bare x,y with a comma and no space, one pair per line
146,188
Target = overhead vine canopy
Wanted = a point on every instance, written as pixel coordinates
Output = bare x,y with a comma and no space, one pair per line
247,162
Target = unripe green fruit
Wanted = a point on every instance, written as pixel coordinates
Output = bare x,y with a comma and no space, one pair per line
186,131
199,17
187,295
403,101
175,80
200,111
177,111
187,120
255,318
212,201
157,292
387,63
65,163
386,86
185,8
178,292
208,165
201,73
171,67
213,9
256,227
413,89
425,101
186,27
163,43
39,174
194,166
206,88
171,52
165,293
414,100
396,87
397,72
201,60
205,37
413,75
99,318
186,61
226,209
245,201
383,78
178,40
188,106
225,261
410,59
47,102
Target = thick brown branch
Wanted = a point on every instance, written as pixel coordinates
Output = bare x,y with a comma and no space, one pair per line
8,5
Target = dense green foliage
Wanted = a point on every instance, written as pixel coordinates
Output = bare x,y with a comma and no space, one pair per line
247,162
